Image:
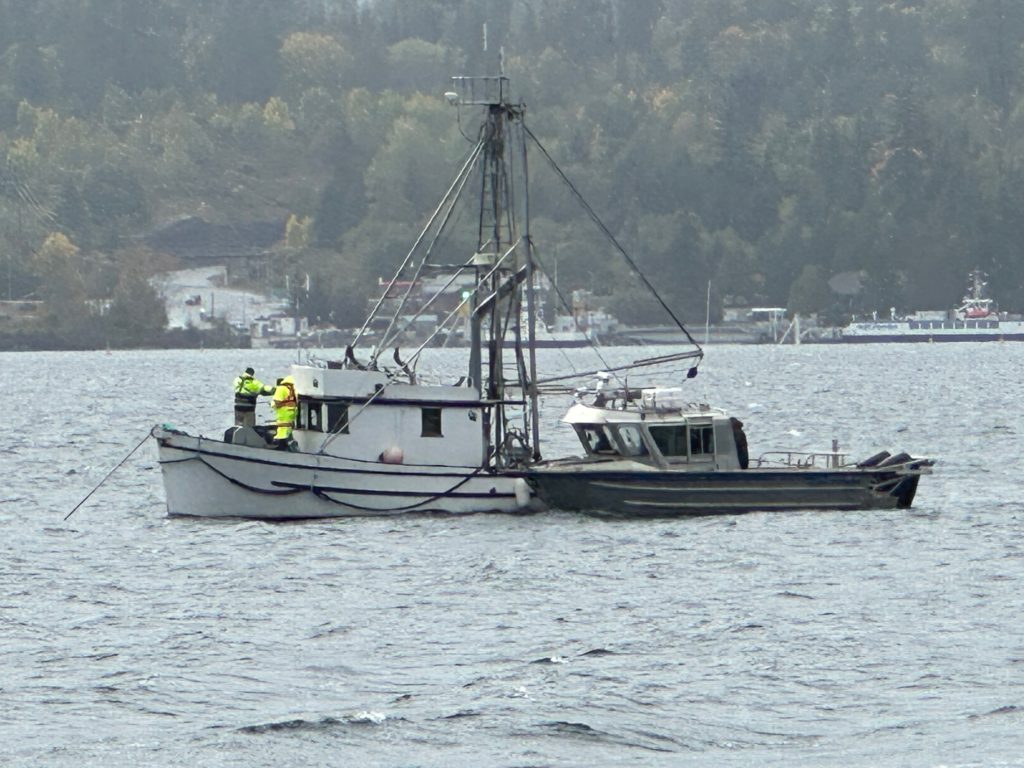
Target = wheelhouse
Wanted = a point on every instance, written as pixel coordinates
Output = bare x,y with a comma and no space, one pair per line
679,442
661,434
361,415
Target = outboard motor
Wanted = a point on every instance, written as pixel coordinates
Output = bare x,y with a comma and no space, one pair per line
742,452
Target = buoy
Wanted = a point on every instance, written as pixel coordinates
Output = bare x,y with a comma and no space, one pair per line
392,455
522,490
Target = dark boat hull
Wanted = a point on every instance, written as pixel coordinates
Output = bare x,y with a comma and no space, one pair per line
673,493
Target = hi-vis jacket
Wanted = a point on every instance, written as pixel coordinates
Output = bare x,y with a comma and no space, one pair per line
247,388
284,397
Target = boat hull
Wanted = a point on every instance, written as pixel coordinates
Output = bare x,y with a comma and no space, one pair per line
919,338
923,331
204,477
674,493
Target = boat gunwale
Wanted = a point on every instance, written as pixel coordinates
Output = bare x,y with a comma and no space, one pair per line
397,471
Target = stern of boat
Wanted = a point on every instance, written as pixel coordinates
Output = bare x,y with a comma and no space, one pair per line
896,477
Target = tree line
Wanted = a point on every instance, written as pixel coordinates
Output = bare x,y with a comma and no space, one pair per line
761,146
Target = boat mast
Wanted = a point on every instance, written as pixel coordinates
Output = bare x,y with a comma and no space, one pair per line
530,386
493,212
495,302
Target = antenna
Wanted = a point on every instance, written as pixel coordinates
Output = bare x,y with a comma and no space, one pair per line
485,36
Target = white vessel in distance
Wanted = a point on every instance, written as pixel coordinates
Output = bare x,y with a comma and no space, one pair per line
976,319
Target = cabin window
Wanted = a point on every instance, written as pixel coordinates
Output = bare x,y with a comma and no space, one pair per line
309,416
595,438
702,440
337,418
431,422
632,441
670,439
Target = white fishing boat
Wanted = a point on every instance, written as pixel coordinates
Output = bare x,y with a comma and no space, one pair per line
364,445
374,437
976,319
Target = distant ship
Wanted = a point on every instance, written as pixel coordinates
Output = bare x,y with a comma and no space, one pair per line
976,319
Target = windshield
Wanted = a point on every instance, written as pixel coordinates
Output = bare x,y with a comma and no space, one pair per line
596,439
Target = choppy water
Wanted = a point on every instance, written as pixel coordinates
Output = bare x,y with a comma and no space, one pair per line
807,639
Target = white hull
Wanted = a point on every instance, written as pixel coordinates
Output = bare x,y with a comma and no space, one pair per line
933,331
210,478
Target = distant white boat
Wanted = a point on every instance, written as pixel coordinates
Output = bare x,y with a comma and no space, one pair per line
976,319
566,332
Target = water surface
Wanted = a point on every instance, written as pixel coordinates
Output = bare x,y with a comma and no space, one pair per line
779,639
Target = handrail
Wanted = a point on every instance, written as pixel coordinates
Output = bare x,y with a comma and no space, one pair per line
836,460
803,459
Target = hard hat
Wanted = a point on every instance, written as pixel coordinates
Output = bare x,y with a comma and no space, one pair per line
250,371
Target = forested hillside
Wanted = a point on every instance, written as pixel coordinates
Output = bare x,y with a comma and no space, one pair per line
762,145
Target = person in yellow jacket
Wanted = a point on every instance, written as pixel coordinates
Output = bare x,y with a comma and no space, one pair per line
286,407
247,389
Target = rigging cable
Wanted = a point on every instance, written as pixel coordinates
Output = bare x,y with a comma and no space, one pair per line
107,477
562,300
414,357
470,161
388,336
611,238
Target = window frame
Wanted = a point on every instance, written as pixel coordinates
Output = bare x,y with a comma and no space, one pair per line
678,443
339,409
701,436
625,448
307,406
428,427
599,431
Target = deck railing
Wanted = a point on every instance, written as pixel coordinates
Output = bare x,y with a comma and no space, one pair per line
801,459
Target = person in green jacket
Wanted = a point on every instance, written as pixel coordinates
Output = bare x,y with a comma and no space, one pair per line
247,389
285,405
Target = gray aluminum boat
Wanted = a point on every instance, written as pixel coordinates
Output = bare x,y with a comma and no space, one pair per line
649,453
